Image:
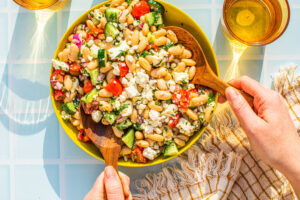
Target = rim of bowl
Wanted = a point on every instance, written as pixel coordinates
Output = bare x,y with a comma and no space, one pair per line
159,159
258,43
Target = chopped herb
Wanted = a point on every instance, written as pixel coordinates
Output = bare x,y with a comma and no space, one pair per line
184,84
79,54
211,98
88,30
167,46
169,101
158,104
166,129
202,91
129,1
137,127
112,100
64,90
145,53
91,14
123,53
76,103
101,105
201,118
133,152
168,142
117,112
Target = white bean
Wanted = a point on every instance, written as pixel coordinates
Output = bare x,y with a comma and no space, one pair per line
155,106
142,143
144,64
104,93
155,137
68,83
198,101
118,133
192,114
163,95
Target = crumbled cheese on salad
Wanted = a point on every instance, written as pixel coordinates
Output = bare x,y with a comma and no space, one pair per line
60,65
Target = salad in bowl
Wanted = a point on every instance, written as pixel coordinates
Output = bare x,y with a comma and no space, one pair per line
130,73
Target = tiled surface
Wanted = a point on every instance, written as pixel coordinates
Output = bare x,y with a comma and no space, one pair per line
37,158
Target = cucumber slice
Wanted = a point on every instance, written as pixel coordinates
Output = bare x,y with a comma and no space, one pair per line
155,6
94,76
158,19
110,30
102,57
89,97
150,18
128,138
154,18
124,125
170,150
112,14
110,117
70,108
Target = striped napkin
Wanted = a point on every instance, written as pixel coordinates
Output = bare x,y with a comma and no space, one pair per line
221,165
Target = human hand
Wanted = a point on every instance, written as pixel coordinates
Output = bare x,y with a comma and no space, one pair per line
271,132
109,186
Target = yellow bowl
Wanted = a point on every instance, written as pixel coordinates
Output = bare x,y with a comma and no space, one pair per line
172,16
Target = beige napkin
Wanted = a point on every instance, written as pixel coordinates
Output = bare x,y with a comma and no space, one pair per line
288,85
224,166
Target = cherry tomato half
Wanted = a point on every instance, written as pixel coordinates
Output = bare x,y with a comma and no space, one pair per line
75,67
58,75
173,121
88,86
181,98
82,136
115,87
59,96
123,69
139,9
90,36
152,46
137,155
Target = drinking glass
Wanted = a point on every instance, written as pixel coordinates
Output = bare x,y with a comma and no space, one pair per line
42,4
252,23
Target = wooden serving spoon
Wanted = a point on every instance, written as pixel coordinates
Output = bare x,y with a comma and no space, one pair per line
204,74
103,137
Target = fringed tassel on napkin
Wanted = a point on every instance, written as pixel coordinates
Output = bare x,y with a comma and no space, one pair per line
288,85
200,176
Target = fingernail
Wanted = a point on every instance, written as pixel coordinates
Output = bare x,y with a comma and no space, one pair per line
110,172
231,93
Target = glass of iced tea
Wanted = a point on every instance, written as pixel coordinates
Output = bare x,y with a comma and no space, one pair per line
255,22
42,4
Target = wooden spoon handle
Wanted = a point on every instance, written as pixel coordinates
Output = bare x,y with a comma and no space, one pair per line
111,156
214,82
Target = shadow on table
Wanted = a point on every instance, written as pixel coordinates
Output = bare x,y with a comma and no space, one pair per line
25,101
250,64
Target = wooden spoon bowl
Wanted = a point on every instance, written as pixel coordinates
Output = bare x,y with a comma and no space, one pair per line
204,74
103,137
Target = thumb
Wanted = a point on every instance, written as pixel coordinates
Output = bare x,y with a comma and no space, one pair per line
241,108
113,185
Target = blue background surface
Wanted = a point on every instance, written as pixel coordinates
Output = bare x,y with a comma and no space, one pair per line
37,159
